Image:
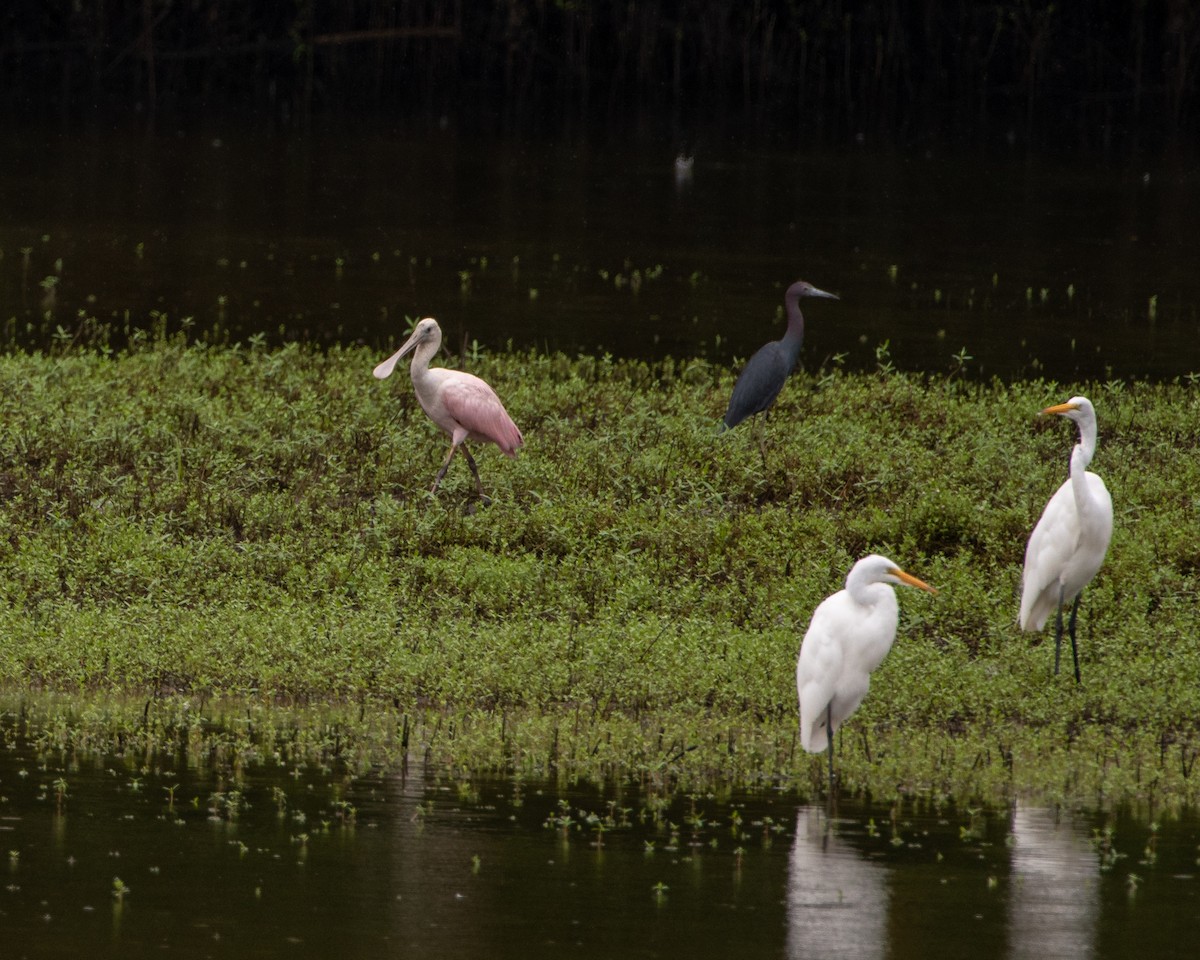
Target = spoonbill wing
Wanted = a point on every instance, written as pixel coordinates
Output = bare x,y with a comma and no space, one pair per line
474,404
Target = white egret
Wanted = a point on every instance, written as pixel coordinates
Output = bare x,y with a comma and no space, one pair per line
849,635
1067,547
460,403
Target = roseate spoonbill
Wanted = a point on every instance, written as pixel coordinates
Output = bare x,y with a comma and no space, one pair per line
763,376
460,403
849,635
1067,547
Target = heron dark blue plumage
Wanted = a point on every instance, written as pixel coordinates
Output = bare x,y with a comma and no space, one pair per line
766,371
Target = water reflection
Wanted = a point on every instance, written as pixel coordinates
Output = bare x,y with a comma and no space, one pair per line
1054,906
837,900
1025,888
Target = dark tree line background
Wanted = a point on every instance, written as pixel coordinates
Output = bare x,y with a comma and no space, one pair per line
1082,73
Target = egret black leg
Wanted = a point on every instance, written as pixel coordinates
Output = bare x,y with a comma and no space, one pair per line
1074,649
829,730
445,466
1058,628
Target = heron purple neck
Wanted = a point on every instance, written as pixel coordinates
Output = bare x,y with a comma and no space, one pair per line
793,337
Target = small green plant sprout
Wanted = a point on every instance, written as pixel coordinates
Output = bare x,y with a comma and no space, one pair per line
135,784
1044,294
120,888
1070,292
476,863
1132,882
345,811
1104,843
648,849
660,891
937,295
170,792
14,856
872,829
992,883
1152,307
892,271
1029,294
60,789
883,358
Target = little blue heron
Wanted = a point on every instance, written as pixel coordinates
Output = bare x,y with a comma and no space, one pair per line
1067,547
460,403
849,635
763,376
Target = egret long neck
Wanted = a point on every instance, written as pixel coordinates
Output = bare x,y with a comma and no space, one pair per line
1086,448
1081,456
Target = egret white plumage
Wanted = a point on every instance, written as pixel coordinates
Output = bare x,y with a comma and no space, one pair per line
849,635
460,403
1067,547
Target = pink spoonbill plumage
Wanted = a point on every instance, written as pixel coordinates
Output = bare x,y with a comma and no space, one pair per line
850,633
462,404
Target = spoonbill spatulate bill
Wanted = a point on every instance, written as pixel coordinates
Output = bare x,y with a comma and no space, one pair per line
462,404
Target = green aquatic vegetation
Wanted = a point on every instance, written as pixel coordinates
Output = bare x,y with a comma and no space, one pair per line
203,534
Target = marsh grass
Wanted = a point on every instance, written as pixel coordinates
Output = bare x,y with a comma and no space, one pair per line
182,523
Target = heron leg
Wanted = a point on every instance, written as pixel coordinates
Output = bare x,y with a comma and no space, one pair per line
445,466
1075,649
760,433
1058,628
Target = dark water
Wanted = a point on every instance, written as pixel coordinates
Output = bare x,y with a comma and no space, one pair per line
270,859
1030,267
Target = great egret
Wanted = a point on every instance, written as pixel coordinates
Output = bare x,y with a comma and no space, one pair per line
1068,545
849,635
767,369
460,403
